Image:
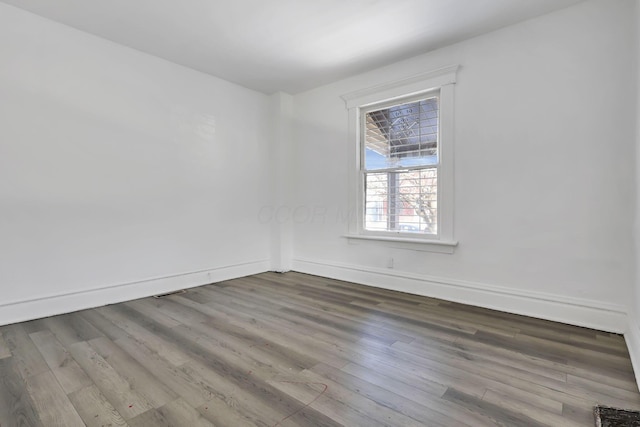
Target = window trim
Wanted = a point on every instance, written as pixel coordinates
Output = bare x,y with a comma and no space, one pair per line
441,80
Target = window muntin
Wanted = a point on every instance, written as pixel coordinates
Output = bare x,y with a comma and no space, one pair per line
399,165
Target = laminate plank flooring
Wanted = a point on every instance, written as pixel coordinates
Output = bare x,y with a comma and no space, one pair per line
298,350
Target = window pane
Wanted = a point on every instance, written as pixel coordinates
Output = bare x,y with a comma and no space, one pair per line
402,201
402,135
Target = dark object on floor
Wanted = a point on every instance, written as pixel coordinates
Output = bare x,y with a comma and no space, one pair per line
613,417
181,291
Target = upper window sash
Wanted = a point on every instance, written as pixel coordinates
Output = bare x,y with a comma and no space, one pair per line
391,161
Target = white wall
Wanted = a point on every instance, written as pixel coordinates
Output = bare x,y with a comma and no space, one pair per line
632,334
281,181
544,172
117,167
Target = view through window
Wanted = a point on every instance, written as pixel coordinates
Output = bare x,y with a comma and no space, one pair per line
400,166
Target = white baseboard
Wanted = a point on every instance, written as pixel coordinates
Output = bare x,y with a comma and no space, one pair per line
20,311
573,311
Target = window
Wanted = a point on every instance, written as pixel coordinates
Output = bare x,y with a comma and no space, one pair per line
402,176
399,165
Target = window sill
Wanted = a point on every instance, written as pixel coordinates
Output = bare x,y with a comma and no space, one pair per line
440,246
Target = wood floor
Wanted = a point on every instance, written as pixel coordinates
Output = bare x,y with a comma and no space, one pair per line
297,350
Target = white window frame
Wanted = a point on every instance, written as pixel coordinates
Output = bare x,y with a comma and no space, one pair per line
442,81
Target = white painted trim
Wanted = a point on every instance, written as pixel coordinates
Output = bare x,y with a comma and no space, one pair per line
54,304
416,244
418,83
559,308
446,188
632,338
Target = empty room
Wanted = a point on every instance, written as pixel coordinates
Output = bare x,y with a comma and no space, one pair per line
319,213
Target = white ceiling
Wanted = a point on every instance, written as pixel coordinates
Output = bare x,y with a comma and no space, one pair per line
287,45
